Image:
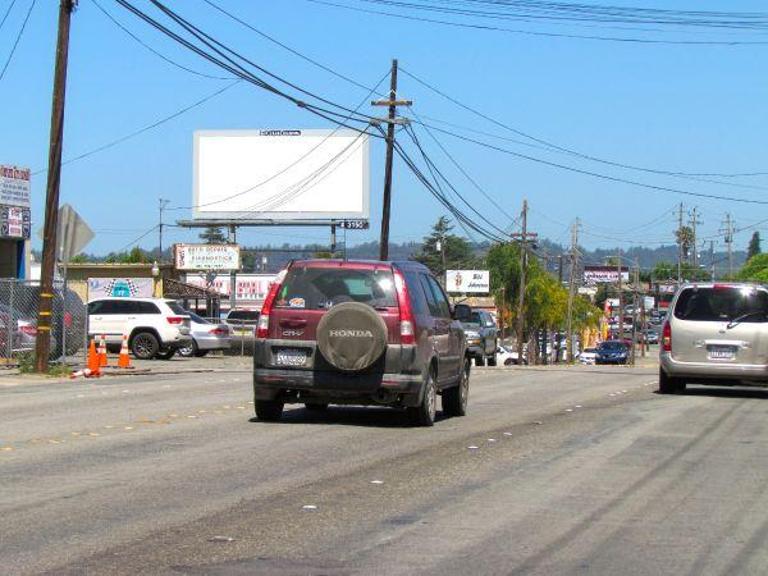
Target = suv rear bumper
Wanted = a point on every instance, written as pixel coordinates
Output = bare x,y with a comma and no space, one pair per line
712,370
395,379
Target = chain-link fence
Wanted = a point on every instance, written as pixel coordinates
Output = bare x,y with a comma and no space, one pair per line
19,302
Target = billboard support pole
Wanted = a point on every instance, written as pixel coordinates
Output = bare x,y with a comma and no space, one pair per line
43,341
232,239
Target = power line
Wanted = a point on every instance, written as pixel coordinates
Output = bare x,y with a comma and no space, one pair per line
571,151
490,28
147,128
8,11
152,50
18,37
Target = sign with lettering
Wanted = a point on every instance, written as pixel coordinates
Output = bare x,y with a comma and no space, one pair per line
14,186
468,281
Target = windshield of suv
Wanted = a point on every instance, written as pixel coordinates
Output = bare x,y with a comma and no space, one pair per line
315,288
176,308
723,304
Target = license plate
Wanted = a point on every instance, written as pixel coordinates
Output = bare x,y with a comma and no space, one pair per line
245,332
722,352
291,357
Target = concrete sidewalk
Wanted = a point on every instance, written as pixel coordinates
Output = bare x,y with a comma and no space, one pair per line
176,365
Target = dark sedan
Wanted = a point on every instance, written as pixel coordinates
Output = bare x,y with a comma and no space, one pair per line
612,352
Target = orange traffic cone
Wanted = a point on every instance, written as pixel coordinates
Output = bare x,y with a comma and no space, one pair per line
124,361
93,357
103,352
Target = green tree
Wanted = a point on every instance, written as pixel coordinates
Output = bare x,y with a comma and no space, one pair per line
213,235
440,242
685,238
754,245
756,269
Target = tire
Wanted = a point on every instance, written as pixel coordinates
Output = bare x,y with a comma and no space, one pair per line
188,351
491,360
351,336
144,345
201,353
316,406
166,354
269,410
479,360
424,413
669,385
455,399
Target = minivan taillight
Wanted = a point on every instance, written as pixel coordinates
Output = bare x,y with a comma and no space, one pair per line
666,338
407,335
262,328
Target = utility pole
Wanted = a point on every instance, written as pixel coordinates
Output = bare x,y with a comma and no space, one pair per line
392,103
524,237
162,203
727,231
43,340
572,287
712,258
635,288
680,245
694,222
621,300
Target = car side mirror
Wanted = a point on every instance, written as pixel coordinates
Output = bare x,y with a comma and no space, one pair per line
462,312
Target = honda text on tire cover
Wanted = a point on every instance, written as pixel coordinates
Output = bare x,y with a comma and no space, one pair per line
359,332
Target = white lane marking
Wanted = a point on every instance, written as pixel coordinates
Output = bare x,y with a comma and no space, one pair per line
378,482
309,507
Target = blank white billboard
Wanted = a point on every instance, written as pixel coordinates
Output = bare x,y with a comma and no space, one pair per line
281,175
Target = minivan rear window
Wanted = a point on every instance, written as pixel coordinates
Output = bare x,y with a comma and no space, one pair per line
723,304
316,288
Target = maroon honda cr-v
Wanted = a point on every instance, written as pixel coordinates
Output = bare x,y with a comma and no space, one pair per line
360,332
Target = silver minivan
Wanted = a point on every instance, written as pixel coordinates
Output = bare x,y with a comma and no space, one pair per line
715,334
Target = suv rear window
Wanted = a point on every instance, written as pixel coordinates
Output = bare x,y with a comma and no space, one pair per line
720,304
315,288
243,315
176,308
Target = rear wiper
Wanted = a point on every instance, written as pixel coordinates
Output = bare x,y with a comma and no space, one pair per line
741,317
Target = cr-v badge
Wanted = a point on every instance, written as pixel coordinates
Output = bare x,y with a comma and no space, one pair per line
293,332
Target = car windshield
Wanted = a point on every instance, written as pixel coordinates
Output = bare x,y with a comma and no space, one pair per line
315,288
475,321
611,347
196,318
723,303
243,315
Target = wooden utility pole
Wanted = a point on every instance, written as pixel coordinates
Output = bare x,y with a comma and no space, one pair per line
712,258
635,289
728,239
621,300
572,288
680,244
43,340
694,223
524,237
162,203
392,103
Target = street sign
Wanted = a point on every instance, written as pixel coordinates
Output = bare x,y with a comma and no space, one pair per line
72,236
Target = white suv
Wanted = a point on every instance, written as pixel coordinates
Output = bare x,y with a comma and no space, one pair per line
155,327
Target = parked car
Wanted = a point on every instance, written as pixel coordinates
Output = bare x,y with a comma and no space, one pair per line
156,327
612,352
507,356
715,334
17,334
651,337
360,332
206,337
243,322
588,356
482,338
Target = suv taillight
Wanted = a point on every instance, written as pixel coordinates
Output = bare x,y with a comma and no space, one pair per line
175,319
262,328
666,337
407,335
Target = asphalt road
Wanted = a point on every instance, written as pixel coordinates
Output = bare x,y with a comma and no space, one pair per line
554,471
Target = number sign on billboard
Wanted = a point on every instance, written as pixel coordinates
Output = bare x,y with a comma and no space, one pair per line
468,281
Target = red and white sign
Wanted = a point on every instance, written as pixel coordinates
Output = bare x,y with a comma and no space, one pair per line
251,288
14,186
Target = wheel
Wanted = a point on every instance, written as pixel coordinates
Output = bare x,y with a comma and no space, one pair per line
269,410
455,398
166,354
189,350
316,406
201,353
144,345
491,359
424,413
669,385
479,361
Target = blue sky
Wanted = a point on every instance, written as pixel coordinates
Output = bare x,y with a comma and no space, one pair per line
676,108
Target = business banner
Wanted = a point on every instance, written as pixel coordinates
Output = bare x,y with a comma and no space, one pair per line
207,256
14,186
120,287
251,288
468,281
604,275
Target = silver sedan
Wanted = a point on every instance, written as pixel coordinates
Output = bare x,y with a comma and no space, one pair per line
206,336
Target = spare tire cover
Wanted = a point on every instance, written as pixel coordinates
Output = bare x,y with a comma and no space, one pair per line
351,336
